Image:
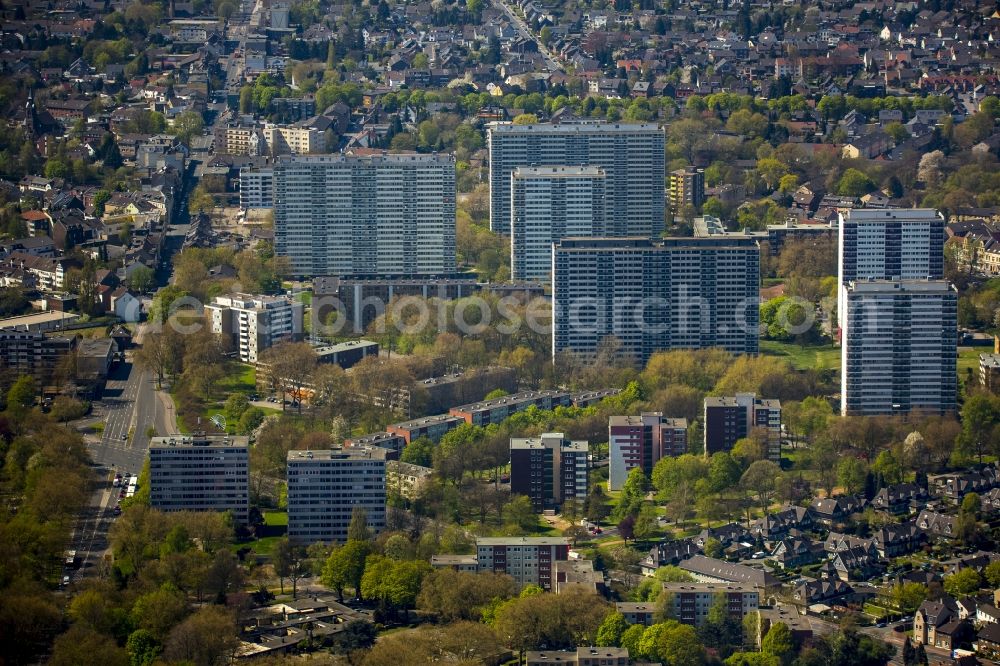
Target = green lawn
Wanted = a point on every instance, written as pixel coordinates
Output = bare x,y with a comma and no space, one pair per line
819,357
968,359
243,382
276,518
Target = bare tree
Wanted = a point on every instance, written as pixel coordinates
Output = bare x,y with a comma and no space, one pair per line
289,366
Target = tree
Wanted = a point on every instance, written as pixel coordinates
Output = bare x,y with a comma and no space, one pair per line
678,645
459,595
761,478
854,183
142,279
980,415
82,646
356,635
851,474
289,365
204,638
22,392
962,583
909,596
394,584
187,125
281,559
526,119
520,513
609,634
419,452
713,547
779,642
345,567
556,620
357,529
992,574
142,648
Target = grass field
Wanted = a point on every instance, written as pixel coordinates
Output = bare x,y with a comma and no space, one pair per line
819,357
968,359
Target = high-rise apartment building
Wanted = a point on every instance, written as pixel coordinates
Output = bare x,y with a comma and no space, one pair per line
898,318
324,488
389,214
254,323
548,469
631,155
528,560
899,244
548,204
728,419
200,473
640,441
899,349
656,294
687,188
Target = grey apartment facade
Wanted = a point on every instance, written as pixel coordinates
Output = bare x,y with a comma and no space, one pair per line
324,488
548,204
389,214
200,473
899,350
631,155
656,294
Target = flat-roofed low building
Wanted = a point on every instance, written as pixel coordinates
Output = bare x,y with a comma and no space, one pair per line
578,575
324,488
347,354
528,560
466,563
494,411
638,612
405,479
690,603
32,353
582,656
989,372
393,444
49,320
432,427
200,473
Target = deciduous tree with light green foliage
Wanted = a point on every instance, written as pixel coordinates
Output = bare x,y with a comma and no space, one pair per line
964,582
779,642
611,630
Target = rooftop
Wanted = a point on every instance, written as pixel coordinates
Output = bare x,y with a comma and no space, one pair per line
352,453
199,439
38,318
522,541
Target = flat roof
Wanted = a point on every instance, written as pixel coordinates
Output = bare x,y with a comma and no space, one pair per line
595,127
513,399
426,421
891,215
36,318
559,172
345,346
522,541
352,453
989,360
178,441
909,286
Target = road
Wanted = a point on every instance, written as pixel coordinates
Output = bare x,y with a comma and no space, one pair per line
129,407
550,60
